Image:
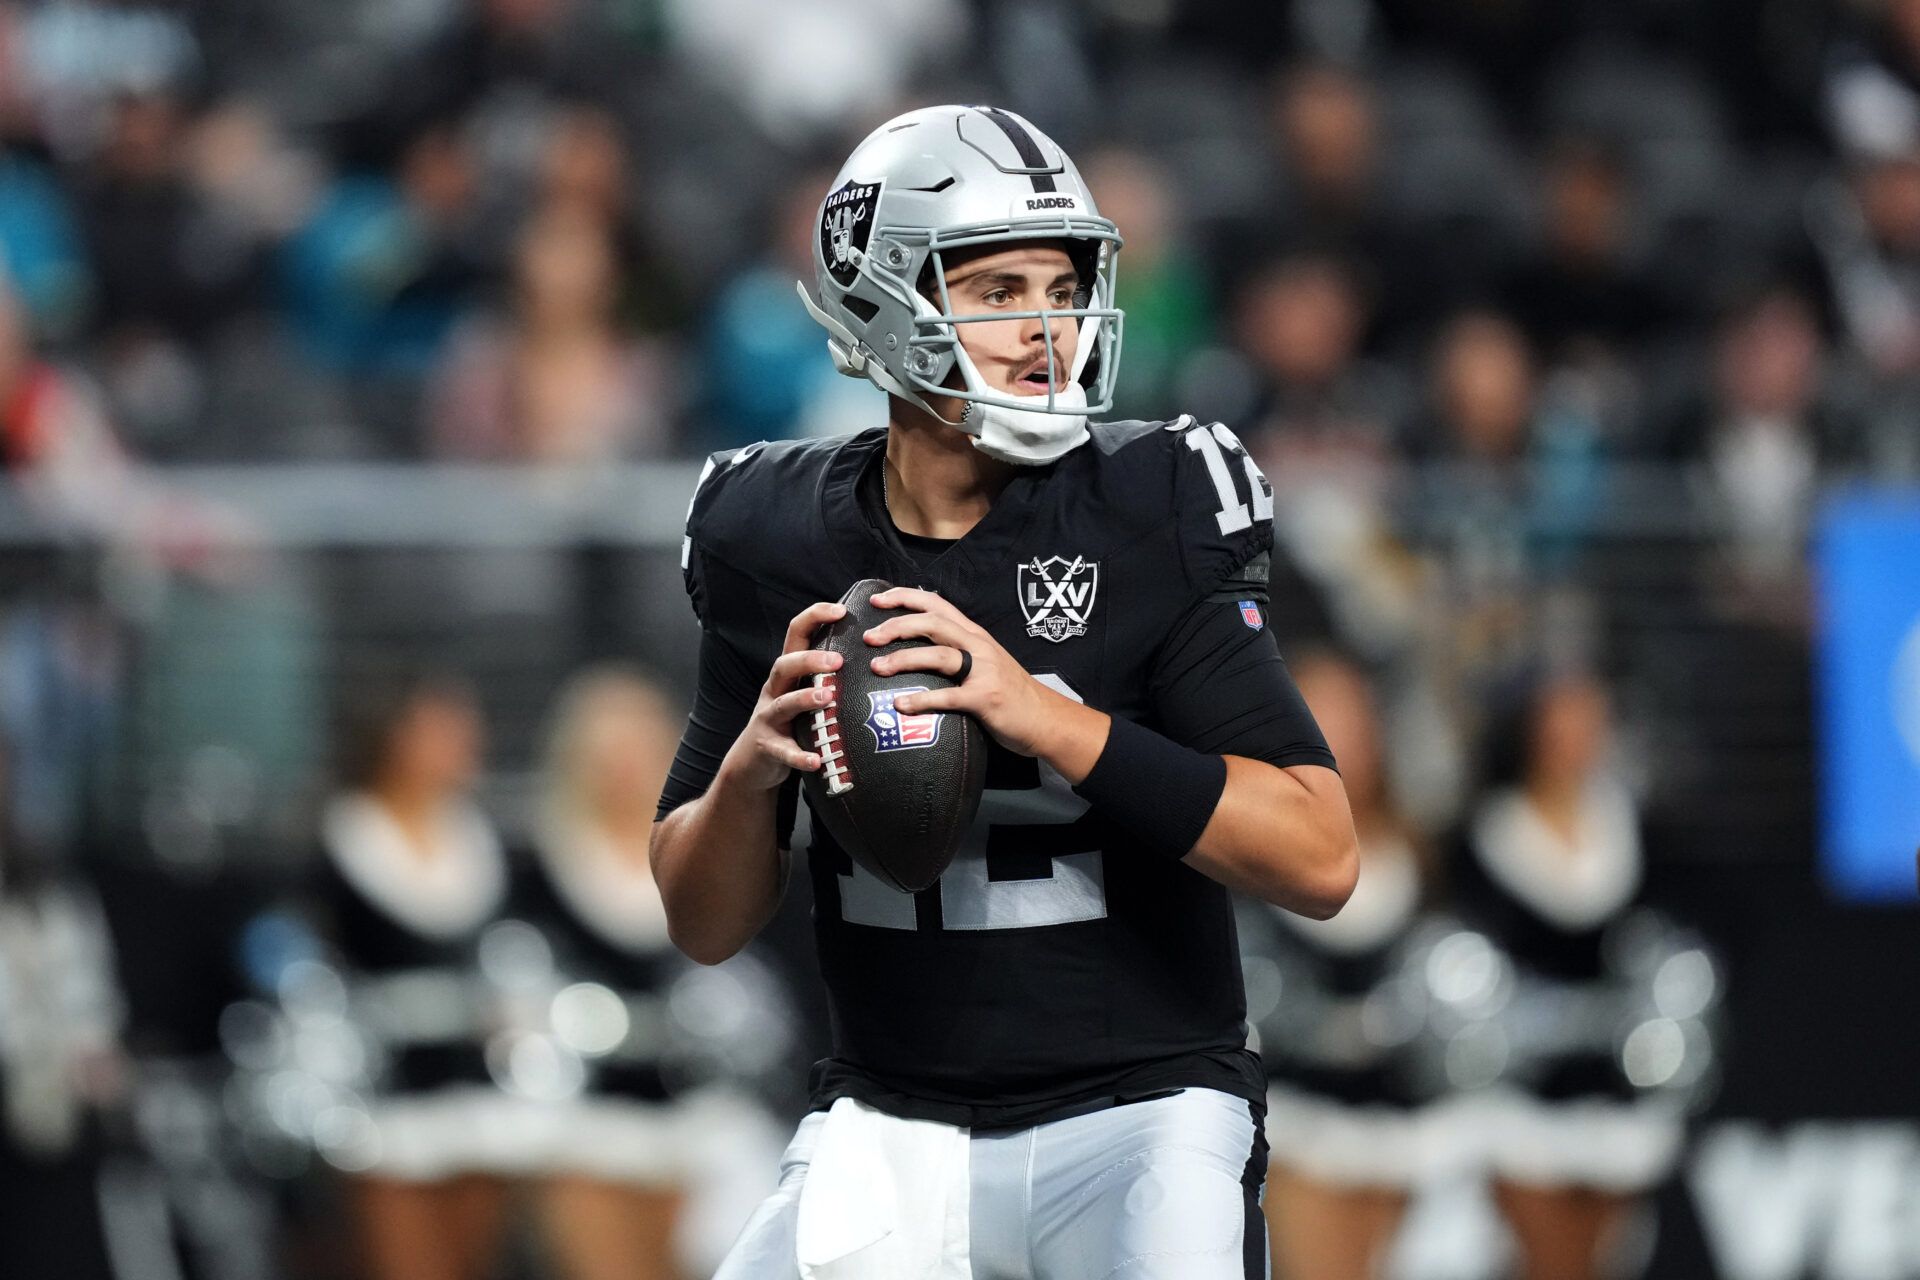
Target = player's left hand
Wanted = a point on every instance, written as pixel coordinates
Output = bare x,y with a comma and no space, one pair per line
1014,707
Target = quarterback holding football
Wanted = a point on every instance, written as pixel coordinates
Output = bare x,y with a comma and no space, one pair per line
1039,1066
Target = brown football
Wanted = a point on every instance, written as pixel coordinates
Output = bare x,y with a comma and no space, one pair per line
897,792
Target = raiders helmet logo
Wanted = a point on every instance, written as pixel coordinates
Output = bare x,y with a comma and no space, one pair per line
846,223
1056,596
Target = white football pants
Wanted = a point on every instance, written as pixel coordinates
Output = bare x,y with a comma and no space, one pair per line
1167,1189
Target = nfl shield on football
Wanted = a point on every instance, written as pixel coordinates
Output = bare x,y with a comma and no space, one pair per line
896,791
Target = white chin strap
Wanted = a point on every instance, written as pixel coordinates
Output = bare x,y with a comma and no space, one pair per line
1028,437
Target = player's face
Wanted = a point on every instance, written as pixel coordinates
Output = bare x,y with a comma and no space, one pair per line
1011,355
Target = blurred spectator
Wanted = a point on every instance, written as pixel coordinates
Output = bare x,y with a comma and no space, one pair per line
1866,233
1327,123
583,167
256,182
768,54
585,170
377,278
170,269
56,441
165,263
1163,285
644,1160
1483,393
1349,1116
410,876
1548,869
1321,406
1330,195
41,252
1873,83
1865,223
1521,486
61,1065
1319,420
763,358
1770,426
73,62
554,380
1580,295
502,66
1489,416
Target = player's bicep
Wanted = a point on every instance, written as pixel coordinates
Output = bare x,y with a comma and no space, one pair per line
1221,686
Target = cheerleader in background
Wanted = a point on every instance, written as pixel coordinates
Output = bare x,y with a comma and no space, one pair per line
411,875
1550,861
62,1065
646,1139
1348,1120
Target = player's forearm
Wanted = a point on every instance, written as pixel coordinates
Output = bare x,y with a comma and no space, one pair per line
719,866
1073,738
1282,835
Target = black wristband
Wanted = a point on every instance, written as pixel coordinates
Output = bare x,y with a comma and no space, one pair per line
1161,793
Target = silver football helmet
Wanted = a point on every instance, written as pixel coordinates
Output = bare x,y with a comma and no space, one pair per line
946,178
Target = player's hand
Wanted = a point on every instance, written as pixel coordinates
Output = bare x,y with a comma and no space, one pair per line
765,752
1014,707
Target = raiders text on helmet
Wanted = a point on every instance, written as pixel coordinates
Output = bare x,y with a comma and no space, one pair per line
946,178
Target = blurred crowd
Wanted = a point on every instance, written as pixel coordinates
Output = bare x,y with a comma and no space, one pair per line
564,230
1549,320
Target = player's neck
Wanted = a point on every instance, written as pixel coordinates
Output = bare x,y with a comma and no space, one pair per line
937,484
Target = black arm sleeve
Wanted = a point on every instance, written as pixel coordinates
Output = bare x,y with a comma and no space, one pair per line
723,702
1220,686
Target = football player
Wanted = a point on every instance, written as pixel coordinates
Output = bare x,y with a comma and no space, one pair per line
1040,1065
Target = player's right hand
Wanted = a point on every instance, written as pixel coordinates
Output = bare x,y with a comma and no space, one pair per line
765,752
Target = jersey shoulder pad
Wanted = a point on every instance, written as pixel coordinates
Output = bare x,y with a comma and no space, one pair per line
739,489
750,500
1194,480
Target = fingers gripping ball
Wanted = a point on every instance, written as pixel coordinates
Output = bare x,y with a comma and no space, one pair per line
897,791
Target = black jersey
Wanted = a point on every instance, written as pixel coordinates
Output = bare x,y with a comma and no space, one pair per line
1056,965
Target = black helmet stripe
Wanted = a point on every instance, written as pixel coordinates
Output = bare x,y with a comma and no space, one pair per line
1023,143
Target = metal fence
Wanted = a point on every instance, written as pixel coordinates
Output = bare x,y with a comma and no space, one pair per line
193,701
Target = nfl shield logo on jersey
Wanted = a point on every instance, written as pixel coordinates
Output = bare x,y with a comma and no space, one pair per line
1250,614
896,730
1056,595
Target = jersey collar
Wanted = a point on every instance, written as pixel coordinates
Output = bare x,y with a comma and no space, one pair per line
865,542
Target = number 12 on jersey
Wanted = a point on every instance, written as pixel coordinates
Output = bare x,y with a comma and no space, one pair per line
1213,442
970,898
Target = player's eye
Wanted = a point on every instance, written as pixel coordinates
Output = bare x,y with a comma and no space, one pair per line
1061,298
997,297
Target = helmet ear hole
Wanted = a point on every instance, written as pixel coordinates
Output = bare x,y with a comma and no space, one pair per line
861,307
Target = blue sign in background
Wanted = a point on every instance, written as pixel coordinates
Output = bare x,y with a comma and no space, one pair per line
1867,558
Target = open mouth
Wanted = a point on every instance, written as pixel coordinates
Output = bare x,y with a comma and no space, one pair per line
1035,378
